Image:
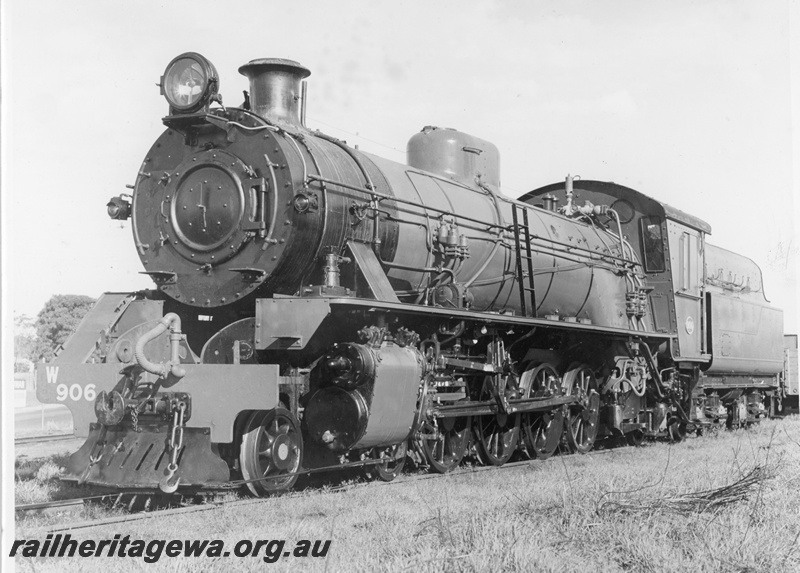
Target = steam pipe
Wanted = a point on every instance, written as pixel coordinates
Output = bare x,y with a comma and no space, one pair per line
303,95
172,322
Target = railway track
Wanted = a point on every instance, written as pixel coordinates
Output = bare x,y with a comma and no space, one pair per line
129,499
42,438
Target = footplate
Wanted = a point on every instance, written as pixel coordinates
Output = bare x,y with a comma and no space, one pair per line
115,456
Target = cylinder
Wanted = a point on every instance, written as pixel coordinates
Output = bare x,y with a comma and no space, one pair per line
379,412
275,89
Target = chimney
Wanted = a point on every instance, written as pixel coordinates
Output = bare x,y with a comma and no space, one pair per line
275,90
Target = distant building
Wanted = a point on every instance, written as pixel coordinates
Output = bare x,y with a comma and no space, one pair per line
24,387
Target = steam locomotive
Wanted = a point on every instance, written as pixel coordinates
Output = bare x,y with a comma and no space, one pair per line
316,306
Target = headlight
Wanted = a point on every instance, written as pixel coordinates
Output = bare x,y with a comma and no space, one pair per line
189,82
118,208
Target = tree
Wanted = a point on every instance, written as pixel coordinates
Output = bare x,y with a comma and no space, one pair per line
57,320
24,342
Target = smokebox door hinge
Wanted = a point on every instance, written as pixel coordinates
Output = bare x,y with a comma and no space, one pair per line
250,274
162,277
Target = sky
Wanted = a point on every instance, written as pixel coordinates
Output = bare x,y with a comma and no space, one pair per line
688,102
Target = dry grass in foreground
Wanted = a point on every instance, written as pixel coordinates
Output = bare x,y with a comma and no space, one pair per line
724,502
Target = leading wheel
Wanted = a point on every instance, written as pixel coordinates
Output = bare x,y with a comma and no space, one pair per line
395,457
496,435
444,442
272,447
583,415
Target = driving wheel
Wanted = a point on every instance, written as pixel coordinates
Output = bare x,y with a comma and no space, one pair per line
541,431
444,442
582,415
496,435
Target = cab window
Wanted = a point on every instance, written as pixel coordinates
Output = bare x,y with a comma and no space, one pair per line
652,244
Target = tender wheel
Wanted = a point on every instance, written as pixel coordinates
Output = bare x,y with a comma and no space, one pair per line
496,436
582,416
271,446
445,453
737,415
541,431
393,466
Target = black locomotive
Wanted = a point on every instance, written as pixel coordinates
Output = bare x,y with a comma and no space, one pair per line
319,306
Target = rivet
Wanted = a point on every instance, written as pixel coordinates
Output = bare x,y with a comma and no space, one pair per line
281,241
191,299
274,258
238,294
194,158
287,222
192,255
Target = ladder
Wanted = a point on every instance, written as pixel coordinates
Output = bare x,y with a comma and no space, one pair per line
522,244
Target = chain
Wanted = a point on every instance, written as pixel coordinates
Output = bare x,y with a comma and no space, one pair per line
176,437
169,483
135,419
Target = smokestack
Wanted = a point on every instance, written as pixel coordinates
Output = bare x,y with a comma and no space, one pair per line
275,90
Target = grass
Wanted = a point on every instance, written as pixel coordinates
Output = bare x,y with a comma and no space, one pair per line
632,509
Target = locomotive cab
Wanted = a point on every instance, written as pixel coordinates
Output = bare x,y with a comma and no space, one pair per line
701,296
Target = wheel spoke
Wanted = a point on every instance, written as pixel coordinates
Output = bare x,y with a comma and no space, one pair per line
583,415
541,431
495,441
445,454
271,446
